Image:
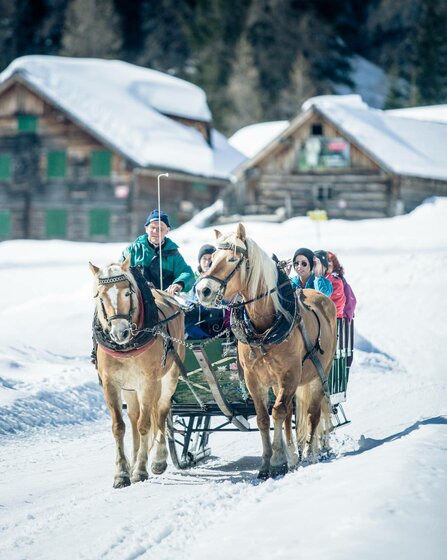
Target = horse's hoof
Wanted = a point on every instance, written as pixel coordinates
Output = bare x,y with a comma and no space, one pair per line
159,468
263,475
139,476
121,482
278,471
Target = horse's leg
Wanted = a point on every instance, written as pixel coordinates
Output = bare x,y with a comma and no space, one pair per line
133,411
260,400
113,399
291,447
147,423
279,413
318,426
168,385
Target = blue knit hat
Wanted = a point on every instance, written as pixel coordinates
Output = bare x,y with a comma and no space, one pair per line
154,217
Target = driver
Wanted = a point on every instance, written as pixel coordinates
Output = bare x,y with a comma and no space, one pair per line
177,275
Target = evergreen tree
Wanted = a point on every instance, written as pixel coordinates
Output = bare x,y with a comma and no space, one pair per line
397,94
243,90
430,64
92,29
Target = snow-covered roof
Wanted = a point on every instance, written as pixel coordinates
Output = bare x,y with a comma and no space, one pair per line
402,145
433,113
125,105
405,146
253,138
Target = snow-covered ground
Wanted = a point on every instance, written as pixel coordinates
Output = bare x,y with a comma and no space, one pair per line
383,496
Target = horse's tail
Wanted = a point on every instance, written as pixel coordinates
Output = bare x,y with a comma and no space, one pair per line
309,398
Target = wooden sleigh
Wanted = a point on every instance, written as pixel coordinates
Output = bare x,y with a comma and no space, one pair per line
212,397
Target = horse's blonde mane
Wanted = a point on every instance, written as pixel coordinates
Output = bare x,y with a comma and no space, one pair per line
262,274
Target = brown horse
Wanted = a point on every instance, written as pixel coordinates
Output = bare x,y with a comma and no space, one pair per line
240,266
146,376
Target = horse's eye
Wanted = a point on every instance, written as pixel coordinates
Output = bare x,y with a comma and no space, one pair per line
232,259
127,294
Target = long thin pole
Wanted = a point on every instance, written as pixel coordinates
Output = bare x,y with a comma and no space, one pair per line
159,228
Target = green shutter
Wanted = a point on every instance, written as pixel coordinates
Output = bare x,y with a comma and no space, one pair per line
27,123
101,163
5,166
5,224
99,221
56,164
56,223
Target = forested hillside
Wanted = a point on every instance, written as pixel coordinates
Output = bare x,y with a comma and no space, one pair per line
256,59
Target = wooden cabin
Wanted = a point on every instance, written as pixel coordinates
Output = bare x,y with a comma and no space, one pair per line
350,160
63,176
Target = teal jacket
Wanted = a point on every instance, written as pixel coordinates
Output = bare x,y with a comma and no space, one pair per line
175,269
319,283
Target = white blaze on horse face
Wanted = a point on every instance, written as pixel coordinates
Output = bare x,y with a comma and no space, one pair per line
113,292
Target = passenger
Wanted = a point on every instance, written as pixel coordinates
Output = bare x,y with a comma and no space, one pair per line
177,275
335,269
338,292
202,322
310,272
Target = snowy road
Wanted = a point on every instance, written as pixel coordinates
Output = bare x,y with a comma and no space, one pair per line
57,499
384,495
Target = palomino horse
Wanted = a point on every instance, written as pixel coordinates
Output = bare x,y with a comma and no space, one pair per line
240,266
146,375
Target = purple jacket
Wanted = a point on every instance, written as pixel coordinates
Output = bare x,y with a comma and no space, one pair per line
351,301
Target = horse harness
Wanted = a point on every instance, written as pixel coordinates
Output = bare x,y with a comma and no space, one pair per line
143,334
223,283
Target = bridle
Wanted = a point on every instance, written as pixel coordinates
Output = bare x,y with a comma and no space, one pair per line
126,316
223,283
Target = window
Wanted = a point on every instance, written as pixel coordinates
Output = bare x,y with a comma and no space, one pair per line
316,130
101,163
56,162
27,123
99,221
5,224
56,223
5,167
199,187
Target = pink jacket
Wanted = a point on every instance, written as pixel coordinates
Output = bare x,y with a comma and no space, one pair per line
338,294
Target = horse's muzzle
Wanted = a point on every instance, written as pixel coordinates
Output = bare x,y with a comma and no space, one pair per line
206,294
120,331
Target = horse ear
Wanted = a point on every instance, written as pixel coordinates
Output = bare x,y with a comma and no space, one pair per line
217,233
94,269
240,232
126,264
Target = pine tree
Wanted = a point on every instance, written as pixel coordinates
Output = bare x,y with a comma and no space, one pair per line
92,29
243,90
397,95
430,63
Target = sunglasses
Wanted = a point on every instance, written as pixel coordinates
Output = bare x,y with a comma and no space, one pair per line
302,263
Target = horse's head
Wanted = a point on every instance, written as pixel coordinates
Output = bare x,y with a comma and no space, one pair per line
117,300
228,271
